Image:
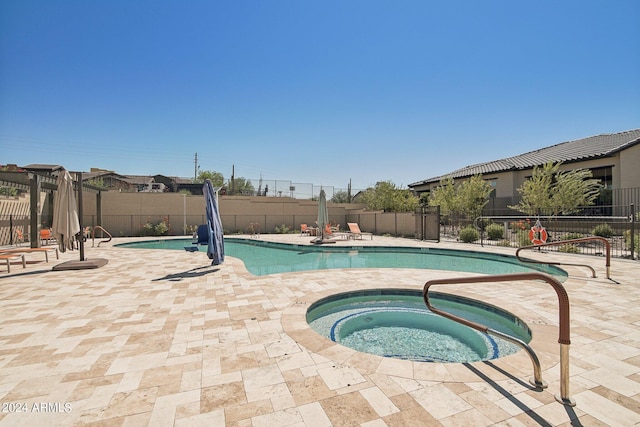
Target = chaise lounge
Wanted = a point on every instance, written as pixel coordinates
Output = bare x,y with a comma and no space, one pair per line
355,232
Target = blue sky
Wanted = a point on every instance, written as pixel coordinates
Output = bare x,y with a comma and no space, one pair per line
312,92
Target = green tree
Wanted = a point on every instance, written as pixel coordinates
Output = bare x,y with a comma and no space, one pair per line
97,182
467,198
556,192
340,197
216,178
573,189
444,195
472,195
240,185
386,196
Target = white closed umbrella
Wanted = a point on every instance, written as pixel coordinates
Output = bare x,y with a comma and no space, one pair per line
65,224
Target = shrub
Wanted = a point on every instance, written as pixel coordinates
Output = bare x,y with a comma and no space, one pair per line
484,223
283,229
469,234
520,225
147,229
161,228
523,238
636,241
506,243
495,231
572,236
569,248
602,230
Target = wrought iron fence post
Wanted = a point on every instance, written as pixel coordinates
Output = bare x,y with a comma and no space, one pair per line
633,231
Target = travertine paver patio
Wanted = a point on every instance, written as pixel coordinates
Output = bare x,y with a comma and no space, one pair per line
163,338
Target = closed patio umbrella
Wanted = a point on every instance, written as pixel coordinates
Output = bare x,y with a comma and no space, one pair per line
215,246
65,213
323,216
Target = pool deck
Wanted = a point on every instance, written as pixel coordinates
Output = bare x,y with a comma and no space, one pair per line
162,338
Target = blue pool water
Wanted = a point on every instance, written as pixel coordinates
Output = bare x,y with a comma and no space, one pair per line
396,323
263,258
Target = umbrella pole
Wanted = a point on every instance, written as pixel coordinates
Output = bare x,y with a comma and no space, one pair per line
81,240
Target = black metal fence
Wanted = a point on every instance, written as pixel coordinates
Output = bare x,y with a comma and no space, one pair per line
494,228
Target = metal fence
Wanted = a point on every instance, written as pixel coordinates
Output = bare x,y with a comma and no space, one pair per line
513,231
495,229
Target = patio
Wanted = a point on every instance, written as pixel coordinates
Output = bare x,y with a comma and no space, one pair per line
164,338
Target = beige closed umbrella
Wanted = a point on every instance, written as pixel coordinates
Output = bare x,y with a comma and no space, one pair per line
323,217
65,224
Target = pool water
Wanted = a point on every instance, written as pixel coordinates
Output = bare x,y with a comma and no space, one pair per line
396,323
263,258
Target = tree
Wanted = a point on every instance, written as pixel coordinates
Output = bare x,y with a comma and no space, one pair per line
216,178
473,195
386,196
240,185
467,198
96,182
444,195
556,192
573,189
340,197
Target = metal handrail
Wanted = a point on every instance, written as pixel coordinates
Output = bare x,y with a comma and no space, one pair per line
564,325
564,242
93,236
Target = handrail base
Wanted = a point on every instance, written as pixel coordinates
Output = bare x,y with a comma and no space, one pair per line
568,401
539,385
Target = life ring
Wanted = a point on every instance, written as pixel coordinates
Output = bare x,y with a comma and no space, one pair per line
538,235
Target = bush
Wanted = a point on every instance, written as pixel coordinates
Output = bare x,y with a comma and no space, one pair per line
570,248
602,230
495,231
469,234
283,229
572,236
636,241
506,243
161,228
484,223
523,238
523,224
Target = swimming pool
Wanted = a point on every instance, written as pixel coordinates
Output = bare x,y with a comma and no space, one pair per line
264,258
396,323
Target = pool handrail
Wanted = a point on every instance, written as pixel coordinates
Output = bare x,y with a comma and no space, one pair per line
564,326
93,236
606,242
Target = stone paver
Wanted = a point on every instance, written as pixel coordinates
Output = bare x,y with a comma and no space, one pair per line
163,338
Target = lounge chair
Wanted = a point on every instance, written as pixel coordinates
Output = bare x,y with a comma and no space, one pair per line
31,250
19,237
11,257
334,233
355,232
46,236
304,230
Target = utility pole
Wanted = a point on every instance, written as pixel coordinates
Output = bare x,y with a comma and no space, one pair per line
233,179
195,170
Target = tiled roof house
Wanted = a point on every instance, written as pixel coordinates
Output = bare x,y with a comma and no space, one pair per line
613,158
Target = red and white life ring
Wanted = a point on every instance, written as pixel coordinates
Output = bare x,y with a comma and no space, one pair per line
538,235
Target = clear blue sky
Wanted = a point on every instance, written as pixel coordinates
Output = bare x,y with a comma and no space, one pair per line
312,92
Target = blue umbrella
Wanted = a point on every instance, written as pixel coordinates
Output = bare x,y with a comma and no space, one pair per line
215,248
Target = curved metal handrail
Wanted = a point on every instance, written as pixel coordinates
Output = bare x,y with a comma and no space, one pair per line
564,242
93,236
564,325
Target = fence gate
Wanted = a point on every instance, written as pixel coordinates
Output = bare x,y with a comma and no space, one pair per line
428,223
